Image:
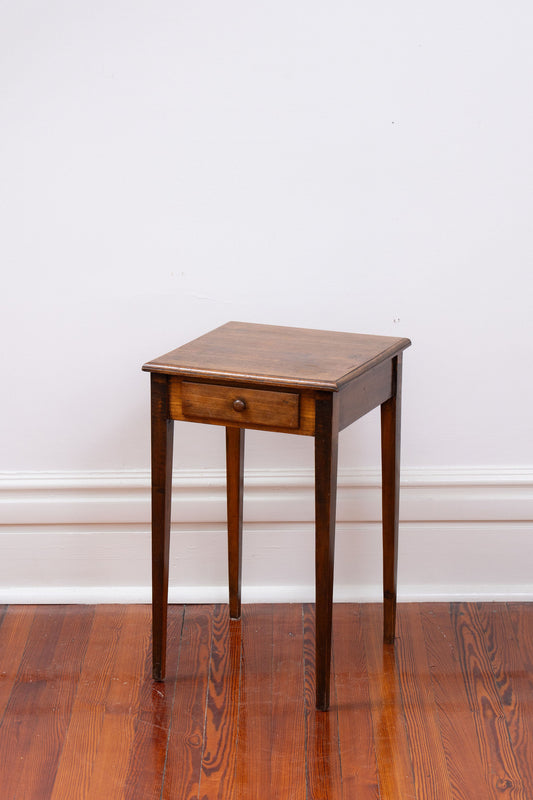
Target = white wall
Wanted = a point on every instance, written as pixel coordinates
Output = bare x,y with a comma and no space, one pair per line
168,166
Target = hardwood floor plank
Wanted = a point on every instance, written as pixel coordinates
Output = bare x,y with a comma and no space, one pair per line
513,684
146,769
445,715
498,757
185,744
14,631
39,708
309,643
77,759
253,775
287,712
393,757
521,616
430,771
217,779
468,777
121,705
356,738
85,759
323,765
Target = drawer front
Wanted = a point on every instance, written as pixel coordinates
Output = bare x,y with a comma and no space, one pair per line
246,406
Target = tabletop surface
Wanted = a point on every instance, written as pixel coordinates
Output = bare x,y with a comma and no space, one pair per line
280,356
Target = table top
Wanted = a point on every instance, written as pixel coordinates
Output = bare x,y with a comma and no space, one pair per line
278,356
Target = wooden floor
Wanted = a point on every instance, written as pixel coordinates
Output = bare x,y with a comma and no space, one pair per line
446,713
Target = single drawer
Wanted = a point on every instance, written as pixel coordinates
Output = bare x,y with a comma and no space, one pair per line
233,404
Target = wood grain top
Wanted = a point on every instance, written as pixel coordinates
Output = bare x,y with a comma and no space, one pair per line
280,356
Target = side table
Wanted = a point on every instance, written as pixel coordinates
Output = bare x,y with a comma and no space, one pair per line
292,380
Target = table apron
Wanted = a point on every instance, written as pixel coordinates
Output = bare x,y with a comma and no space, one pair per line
366,392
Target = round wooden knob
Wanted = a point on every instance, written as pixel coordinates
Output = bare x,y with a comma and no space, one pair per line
239,405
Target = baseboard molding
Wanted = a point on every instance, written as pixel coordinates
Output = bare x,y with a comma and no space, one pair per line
475,494
201,595
84,537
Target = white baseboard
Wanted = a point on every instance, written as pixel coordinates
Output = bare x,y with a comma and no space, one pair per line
85,537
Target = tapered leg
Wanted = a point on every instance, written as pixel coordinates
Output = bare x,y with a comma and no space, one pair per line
326,451
234,479
390,466
162,441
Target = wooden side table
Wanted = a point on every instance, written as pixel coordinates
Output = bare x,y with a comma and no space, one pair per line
293,380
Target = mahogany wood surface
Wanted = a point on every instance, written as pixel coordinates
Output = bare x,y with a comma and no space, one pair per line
162,444
242,372
446,715
390,494
211,415
205,401
284,356
326,458
364,393
235,489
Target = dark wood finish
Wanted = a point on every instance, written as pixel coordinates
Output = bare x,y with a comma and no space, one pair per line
240,375
390,467
326,452
233,404
281,356
162,444
364,393
446,715
235,478
305,424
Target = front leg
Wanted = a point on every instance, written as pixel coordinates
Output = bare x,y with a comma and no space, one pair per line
234,485
162,443
390,468
326,456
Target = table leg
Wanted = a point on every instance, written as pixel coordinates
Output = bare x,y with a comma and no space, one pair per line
390,466
234,483
326,452
162,443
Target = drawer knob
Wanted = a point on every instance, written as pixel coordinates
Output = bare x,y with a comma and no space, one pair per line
239,405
